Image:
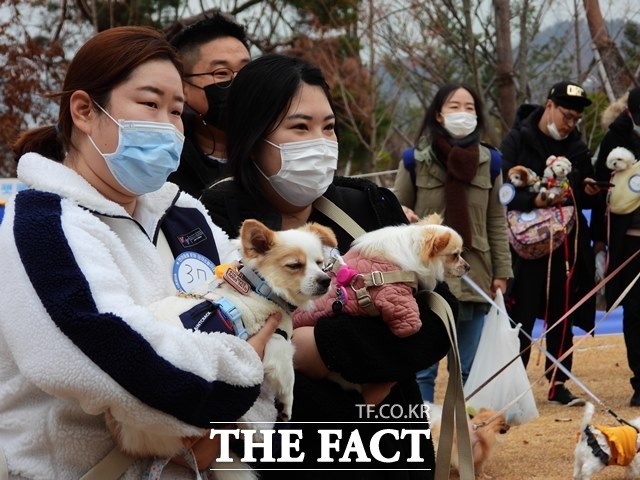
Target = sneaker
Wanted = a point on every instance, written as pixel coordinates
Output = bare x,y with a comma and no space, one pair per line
559,394
635,399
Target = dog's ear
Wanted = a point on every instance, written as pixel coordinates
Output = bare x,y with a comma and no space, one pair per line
433,219
256,238
434,243
327,237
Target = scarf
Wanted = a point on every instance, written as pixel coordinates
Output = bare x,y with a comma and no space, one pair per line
461,164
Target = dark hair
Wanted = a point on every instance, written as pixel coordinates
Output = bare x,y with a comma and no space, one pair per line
431,128
189,40
261,95
105,61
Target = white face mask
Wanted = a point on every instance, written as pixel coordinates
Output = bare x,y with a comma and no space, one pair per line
460,124
553,131
306,171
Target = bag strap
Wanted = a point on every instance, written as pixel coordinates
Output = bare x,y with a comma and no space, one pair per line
112,466
453,409
454,406
335,213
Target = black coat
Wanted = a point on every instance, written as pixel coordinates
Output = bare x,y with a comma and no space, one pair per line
620,134
526,145
196,169
362,349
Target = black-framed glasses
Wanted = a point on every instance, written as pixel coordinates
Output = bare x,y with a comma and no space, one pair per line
219,75
568,118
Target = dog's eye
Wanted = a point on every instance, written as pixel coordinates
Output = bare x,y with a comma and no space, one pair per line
295,266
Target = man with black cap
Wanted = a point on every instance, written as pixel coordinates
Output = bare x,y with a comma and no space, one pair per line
546,287
624,234
213,50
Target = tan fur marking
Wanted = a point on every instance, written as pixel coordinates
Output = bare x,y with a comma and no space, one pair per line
256,238
433,219
440,242
327,237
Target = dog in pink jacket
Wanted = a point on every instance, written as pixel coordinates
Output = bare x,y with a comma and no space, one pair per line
383,269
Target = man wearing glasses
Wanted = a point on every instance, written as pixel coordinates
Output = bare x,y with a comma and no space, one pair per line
213,50
547,287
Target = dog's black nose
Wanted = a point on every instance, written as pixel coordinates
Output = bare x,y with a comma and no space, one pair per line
324,282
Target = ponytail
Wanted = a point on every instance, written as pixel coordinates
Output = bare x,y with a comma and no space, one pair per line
42,140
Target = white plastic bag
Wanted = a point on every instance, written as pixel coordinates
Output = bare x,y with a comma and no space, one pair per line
498,345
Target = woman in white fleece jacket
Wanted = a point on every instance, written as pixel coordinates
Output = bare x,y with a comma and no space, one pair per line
85,249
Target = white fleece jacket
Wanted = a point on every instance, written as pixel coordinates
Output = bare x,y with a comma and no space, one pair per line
76,338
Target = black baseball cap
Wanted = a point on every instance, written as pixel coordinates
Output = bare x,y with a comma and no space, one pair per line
569,95
633,103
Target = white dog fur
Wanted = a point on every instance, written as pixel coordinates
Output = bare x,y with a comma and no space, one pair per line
620,159
586,463
554,175
429,249
290,261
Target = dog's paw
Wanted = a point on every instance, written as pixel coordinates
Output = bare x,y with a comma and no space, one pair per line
285,406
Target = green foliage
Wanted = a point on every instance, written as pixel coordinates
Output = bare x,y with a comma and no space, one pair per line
153,13
348,45
631,45
591,125
327,14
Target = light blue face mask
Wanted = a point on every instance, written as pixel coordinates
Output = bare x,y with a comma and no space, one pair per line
147,153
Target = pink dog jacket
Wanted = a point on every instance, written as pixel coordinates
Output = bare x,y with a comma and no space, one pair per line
394,301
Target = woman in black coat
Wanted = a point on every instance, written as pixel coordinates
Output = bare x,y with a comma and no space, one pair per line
282,154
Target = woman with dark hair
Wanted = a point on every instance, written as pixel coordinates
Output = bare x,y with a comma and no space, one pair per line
456,177
89,246
282,151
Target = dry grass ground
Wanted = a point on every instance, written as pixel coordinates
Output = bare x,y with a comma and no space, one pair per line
543,448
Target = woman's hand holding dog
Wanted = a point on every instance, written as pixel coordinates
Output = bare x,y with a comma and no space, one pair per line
206,450
260,339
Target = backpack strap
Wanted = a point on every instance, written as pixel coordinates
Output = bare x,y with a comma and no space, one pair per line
409,162
496,161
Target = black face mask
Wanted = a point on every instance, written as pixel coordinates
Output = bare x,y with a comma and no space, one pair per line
217,94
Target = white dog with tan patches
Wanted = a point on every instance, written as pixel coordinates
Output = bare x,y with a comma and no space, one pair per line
384,267
281,271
